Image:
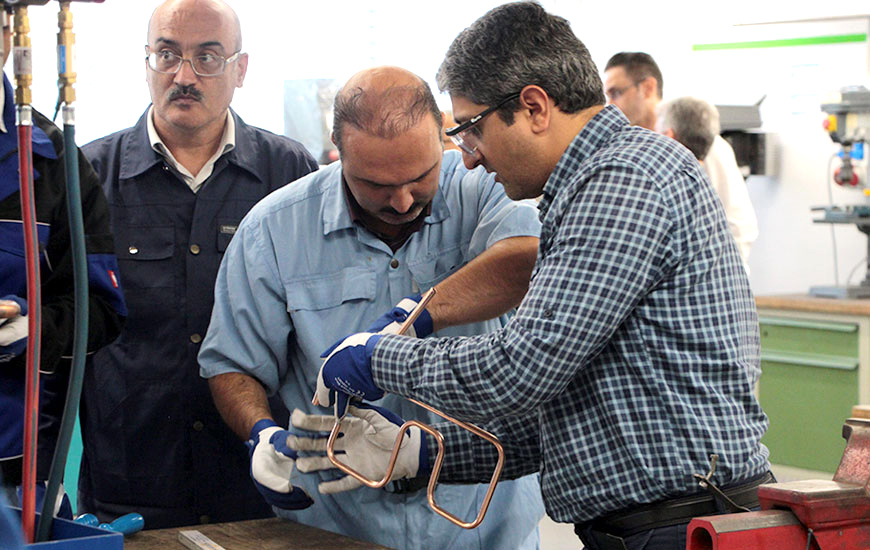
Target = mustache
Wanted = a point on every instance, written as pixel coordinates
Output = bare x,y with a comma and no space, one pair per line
395,212
188,91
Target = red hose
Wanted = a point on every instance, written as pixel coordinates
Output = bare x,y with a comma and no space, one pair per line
34,306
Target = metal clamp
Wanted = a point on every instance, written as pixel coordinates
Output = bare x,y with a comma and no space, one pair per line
436,468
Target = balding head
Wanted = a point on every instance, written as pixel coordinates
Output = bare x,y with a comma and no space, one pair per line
187,103
384,102
213,11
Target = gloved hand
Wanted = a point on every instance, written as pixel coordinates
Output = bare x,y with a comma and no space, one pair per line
347,372
13,332
272,467
367,442
389,322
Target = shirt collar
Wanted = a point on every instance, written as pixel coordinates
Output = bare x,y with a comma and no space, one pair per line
227,143
227,139
589,139
138,155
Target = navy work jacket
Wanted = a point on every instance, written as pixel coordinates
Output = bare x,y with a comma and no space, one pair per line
154,442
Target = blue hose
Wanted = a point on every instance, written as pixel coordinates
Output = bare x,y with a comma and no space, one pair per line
80,341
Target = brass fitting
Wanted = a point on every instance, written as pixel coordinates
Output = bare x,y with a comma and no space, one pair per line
23,57
66,47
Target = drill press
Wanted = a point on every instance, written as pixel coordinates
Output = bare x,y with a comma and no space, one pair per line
848,124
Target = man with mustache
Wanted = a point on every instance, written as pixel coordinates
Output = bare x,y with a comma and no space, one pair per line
395,216
178,183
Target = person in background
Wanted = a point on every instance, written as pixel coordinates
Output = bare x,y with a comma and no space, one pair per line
691,121
106,309
633,82
178,184
394,217
633,356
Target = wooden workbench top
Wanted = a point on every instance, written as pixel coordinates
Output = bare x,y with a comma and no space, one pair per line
813,304
258,534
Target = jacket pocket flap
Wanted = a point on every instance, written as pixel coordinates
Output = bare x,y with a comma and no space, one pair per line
331,290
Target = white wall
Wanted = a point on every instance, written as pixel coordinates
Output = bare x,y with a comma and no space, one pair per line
293,40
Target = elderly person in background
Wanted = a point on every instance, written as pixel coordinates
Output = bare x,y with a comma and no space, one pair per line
691,121
633,82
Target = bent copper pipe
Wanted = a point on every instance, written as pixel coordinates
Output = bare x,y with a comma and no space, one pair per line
436,468
9,309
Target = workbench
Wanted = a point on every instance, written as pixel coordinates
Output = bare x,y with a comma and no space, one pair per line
258,534
815,362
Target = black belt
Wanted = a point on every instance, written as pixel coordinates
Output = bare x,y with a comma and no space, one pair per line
677,510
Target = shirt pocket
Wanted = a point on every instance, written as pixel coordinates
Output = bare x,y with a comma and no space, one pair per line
437,266
331,290
328,307
145,256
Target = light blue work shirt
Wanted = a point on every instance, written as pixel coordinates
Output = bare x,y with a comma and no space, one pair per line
299,275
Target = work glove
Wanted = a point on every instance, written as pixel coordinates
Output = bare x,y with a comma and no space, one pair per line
389,322
347,372
366,441
13,331
272,467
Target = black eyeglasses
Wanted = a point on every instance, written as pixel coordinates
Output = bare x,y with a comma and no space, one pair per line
467,140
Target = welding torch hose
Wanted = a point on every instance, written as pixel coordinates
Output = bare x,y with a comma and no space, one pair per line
34,318
80,340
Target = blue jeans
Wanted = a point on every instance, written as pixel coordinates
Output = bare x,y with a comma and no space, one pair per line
672,537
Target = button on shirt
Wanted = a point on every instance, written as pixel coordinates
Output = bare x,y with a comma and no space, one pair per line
299,275
636,347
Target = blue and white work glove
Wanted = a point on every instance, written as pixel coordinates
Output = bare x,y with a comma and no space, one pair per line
365,445
272,467
13,331
347,372
389,322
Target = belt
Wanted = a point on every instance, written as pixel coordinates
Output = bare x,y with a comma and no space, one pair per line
678,510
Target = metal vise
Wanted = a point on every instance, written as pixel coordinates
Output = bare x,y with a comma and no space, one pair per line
821,515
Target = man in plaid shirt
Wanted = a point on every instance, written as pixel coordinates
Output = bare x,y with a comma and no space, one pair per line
633,357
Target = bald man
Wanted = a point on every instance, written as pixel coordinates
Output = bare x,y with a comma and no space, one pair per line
178,184
329,254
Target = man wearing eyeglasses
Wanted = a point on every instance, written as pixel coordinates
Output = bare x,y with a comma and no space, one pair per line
631,361
327,256
633,82
178,184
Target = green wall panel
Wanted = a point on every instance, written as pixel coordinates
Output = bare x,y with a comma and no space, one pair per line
809,383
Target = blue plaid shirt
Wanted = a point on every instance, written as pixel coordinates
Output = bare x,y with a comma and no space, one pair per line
634,355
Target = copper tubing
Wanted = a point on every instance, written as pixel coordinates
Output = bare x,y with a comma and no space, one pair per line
9,309
436,468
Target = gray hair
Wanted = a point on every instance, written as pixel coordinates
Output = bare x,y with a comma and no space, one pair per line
386,114
513,46
694,121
